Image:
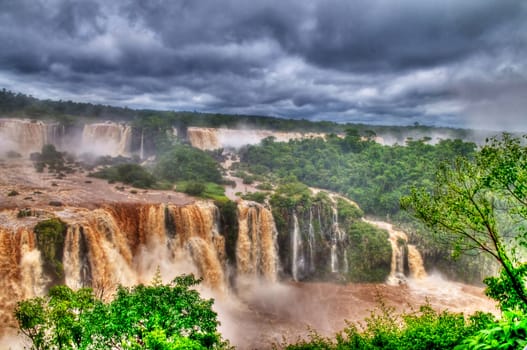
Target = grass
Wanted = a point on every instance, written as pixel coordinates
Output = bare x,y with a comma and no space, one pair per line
212,190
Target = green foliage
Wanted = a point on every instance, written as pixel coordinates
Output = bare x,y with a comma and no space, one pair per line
373,175
12,193
209,190
501,288
266,186
56,321
510,333
290,195
50,157
258,197
50,241
479,205
194,188
348,212
161,316
363,265
128,173
423,329
184,163
229,226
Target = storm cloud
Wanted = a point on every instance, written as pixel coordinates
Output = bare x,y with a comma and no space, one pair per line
456,63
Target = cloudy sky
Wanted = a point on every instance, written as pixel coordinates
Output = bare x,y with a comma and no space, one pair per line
448,62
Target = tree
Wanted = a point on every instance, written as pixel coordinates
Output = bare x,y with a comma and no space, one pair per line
186,163
481,204
160,316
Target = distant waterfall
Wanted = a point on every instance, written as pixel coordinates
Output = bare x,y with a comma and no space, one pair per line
25,136
311,242
295,247
107,139
142,147
337,237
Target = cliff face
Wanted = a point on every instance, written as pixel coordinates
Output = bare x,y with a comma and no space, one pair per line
125,244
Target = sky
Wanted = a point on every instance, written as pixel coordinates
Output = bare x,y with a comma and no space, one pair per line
460,63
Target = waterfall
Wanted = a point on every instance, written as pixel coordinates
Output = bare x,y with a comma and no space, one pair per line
142,147
311,242
256,247
107,139
399,240
20,268
337,236
415,263
23,136
203,138
295,247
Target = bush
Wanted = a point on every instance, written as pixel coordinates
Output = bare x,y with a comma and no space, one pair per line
23,213
509,333
194,188
423,329
13,155
131,174
258,197
12,193
172,316
184,163
265,186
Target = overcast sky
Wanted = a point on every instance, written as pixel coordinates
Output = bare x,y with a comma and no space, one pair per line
448,62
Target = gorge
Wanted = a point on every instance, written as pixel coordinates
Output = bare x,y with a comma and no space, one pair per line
262,262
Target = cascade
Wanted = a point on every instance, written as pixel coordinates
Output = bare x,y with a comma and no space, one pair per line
311,242
20,268
297,261
203,138
214,138
142,147
256,247
415,263
25,136
399,240
107,138
337,236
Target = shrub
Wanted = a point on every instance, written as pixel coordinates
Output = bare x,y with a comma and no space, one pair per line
184,163
194,188
258,197
172,316
384,329
13,154
129,173
12,193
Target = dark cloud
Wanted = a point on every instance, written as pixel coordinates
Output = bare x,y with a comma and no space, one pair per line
437,62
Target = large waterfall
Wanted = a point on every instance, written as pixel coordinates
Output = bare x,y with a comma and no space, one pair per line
118,244
256,247
26,136
107,139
